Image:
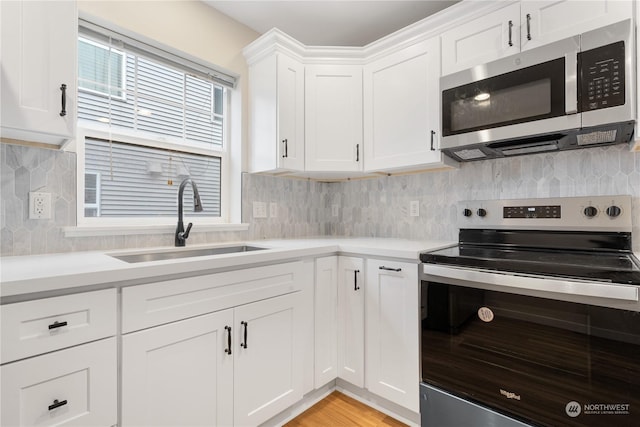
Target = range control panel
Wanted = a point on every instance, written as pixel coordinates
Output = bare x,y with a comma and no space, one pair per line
596,213
547,211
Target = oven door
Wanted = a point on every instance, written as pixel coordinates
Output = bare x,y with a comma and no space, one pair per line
524,358
525,94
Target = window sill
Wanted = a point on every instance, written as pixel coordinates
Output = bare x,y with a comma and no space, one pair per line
88,231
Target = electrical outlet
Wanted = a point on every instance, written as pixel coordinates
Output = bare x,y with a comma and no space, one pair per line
414,208
259,210
335,210
273,209
39,205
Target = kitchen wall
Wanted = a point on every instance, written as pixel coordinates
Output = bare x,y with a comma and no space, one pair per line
376,207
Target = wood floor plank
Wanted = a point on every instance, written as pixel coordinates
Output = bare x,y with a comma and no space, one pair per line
339,410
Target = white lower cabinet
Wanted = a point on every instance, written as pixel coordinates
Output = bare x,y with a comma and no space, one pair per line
392,331
268,358
326,320
238,366
351,290
179,374
72,387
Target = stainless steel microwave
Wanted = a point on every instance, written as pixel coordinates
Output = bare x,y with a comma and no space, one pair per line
573,93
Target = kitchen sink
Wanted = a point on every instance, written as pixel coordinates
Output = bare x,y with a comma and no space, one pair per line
184,253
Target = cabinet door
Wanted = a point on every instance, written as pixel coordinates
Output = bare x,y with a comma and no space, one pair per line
268,358
276,99
545,22
351,292
333,118
72,387
39,40
326,320
490,37
179,374
290,115
401,115
392,328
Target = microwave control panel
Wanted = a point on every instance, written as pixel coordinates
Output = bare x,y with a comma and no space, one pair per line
602,77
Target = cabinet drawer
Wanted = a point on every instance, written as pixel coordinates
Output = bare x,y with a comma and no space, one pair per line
81,379
34,327
153,304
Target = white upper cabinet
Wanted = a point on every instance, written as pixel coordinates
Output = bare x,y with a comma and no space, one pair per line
333,118
525,25
276,87
544,22
401,109
482,40
38,76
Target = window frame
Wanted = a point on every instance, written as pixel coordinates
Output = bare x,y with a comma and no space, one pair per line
230,171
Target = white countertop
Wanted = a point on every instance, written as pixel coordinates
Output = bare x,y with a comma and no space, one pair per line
22,275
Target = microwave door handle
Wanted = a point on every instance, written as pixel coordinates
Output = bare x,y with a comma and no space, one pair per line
571,82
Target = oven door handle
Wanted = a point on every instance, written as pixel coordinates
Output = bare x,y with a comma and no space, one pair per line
550,284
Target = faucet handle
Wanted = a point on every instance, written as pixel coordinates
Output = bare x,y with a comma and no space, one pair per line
185,235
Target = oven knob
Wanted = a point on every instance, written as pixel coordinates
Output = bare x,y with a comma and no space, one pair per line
590,211
481,212
467,212
613,211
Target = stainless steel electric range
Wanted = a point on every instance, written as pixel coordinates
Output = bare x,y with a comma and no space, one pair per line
533,318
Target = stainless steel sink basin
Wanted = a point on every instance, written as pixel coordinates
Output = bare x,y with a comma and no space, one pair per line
184,253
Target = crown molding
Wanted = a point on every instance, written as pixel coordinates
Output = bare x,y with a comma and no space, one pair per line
275,40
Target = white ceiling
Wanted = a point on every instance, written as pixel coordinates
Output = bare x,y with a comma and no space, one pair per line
330,22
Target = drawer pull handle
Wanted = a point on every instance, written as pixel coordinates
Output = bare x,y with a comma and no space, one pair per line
56,404
355,280
57,324
246,325
382,267
228,349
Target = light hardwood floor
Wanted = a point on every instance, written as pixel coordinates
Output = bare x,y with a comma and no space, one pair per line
338,410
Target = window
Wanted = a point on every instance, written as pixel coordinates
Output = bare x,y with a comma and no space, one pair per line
148,119
91,194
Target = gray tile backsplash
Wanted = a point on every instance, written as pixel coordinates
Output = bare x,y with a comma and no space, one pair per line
377,207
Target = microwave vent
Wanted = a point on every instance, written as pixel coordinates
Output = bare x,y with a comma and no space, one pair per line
597,137
472,154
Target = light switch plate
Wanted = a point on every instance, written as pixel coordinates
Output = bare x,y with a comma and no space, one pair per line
335,210
259,210
414,208
273,210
